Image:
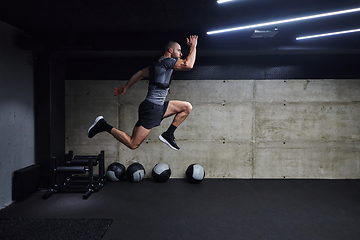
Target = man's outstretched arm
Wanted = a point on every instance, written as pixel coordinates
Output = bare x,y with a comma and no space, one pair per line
135,78
188,63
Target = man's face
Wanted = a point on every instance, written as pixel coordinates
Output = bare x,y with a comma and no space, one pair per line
176,53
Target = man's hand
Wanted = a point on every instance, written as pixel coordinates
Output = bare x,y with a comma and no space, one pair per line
192,41
119,91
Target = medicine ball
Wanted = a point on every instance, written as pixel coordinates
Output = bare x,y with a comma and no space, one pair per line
135,172
115,172
161,172
195,173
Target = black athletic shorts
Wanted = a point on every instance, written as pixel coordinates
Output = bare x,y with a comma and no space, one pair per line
150,114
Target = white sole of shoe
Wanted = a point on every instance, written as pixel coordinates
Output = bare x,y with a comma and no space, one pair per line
167,143
95,122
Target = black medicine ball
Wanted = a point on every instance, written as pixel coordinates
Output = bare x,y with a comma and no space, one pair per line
161,172
195,173
115,172
135,172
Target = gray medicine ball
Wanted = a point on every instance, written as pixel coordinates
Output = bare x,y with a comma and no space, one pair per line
115,172
135,172
195,173
161,172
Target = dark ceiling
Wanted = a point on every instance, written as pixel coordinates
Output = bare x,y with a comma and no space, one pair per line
125,27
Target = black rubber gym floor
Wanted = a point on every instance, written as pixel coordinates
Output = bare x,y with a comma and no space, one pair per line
213,209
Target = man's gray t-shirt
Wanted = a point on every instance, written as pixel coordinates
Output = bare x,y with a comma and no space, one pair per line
159,80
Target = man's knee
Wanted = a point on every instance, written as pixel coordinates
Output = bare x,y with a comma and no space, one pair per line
188,107
134,146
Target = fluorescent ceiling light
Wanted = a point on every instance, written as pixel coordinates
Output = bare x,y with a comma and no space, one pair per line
223,1
328,34
285,21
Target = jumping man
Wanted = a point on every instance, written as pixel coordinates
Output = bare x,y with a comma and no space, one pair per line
154,108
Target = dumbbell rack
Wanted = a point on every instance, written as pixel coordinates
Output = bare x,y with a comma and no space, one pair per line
68,178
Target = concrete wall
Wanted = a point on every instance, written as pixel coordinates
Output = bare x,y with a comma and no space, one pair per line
17,131
237,129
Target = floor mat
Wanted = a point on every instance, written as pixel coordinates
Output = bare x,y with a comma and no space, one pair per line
53,229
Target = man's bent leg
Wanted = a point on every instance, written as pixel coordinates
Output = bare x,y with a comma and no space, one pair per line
133,142
181,110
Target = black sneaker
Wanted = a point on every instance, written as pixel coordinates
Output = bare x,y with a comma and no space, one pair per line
170,141
95,128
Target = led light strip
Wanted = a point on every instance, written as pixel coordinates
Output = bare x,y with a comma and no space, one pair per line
328,34
223,1
285,21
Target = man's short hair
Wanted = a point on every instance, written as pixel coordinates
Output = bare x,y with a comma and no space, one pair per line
169,45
